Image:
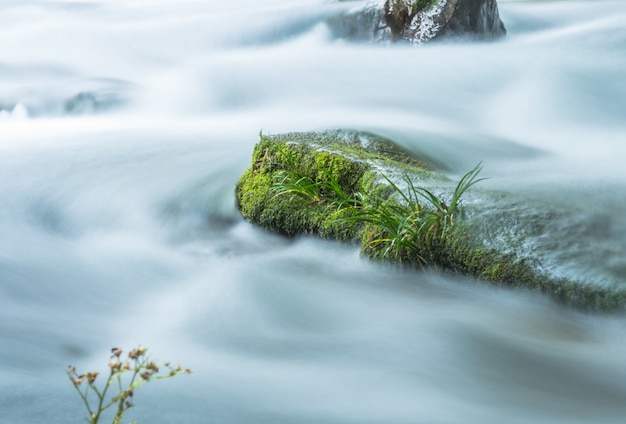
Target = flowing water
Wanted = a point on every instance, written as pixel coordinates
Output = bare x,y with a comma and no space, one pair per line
124,126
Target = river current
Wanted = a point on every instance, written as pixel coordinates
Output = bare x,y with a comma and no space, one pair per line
124,126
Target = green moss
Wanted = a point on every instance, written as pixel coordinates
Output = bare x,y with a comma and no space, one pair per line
290,214
424,4
354,160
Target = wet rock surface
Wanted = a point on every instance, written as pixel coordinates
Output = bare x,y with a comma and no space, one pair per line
334,175
420,21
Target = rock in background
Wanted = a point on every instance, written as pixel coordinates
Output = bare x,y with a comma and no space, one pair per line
419,21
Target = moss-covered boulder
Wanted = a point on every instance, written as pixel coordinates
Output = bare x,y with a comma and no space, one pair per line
361,188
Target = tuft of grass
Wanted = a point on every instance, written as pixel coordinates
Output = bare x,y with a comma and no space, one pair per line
323,189
125,377
398,230
403,229
400,227
445,215
297,184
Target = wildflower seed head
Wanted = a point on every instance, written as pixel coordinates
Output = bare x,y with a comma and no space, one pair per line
115,364
91,377
142,367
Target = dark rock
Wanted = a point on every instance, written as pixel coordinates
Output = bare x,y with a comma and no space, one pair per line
477,18
418,21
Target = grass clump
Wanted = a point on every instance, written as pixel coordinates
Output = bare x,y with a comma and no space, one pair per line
399,227
326,189
125,377
404,226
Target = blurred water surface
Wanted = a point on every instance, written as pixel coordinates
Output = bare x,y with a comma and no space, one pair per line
124,126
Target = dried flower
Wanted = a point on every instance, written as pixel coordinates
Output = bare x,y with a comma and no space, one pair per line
142,370
115,364
91,377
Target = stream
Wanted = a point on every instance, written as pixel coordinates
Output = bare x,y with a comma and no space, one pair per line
124,127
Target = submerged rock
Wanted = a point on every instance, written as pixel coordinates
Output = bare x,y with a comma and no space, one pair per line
336,185
419,21
91,102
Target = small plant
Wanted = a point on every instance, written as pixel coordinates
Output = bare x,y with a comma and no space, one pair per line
399,230
405,227
125,376
400,227
298,184
324,189
446,215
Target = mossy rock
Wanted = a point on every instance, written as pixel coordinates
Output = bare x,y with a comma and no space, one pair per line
356,161
349,157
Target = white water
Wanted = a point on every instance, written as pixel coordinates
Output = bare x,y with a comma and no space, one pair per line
118,224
